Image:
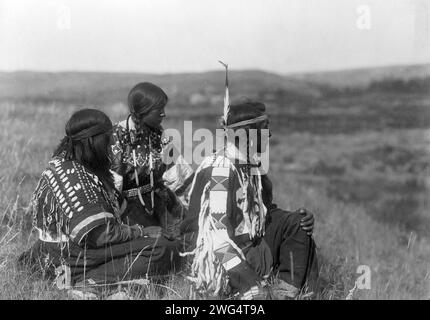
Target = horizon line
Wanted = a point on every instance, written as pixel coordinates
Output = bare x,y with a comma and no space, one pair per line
291,73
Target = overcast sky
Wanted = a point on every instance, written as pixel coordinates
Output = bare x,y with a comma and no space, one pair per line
191,35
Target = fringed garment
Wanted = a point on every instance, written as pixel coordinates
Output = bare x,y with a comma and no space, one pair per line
227,200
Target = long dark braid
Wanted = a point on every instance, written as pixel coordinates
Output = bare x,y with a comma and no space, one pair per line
154,133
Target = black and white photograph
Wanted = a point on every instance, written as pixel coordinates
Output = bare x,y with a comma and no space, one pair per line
215,151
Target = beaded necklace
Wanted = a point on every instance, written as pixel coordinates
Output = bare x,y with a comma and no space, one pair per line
144,137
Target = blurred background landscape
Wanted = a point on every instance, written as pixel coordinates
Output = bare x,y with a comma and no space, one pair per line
352,146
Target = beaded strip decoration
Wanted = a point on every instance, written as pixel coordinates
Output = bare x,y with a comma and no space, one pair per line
129,139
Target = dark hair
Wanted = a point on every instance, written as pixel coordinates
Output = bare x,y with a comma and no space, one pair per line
145,96
90,150
246,110
267,191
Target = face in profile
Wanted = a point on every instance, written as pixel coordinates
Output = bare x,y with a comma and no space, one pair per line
152,119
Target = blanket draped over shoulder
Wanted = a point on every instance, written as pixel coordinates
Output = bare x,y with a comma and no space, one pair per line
80,230
231,215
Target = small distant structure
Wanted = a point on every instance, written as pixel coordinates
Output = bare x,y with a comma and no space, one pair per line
216,99
197,98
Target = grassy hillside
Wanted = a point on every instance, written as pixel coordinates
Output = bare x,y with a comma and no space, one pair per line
359,161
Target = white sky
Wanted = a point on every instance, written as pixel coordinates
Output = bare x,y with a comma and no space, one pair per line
191,35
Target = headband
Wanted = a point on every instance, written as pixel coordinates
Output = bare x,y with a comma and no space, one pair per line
91,131
246,122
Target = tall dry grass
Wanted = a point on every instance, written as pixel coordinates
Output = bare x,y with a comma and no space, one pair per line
346,234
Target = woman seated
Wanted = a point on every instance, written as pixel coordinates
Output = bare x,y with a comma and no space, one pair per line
152,187
242,237
77,212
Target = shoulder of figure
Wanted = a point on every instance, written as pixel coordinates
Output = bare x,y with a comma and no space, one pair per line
72,170
121,124
118,132
59,164
120,127
216,160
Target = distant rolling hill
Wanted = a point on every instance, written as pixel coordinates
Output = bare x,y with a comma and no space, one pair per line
96,88
363,77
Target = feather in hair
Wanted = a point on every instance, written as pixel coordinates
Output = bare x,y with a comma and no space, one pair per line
227,96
